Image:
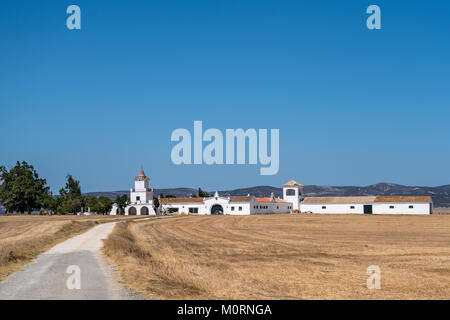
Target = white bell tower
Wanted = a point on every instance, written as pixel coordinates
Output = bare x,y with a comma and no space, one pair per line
293,192
141,193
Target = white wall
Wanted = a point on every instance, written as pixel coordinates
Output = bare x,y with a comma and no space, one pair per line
401,208
294,199
246,207
141,185
184,207
151,210
272,207
337,208
377,208
145,196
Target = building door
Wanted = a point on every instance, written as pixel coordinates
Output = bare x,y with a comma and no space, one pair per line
368,209
216,209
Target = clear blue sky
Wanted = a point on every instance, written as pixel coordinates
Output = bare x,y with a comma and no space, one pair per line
354,106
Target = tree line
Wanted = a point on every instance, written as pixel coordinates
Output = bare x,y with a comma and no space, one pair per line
23,191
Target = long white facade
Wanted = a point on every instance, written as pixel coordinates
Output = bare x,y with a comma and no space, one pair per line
141,203
241,205
368,205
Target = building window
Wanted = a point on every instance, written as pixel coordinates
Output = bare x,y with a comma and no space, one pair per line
352,207
193,210
232,208
411,207
391,207
290,192
173,210
324,207
138,198
240,208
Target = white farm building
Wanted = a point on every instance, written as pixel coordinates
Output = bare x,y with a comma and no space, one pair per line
369,205
141,203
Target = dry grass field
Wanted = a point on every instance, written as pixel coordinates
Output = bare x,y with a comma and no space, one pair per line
284,256
24,237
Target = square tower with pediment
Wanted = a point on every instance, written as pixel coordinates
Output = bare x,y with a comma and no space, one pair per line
141,193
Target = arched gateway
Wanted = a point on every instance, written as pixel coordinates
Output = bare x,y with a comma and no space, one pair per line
217,209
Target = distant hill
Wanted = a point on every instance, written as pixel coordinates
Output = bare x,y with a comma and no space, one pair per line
440,195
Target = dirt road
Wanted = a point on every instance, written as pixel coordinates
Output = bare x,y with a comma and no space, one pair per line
57,273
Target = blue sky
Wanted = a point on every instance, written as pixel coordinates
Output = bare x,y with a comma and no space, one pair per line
354,106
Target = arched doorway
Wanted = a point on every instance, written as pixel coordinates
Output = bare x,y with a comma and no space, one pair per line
216,209
132,211
144,211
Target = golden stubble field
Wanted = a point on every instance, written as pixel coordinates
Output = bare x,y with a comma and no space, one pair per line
24,237
284,256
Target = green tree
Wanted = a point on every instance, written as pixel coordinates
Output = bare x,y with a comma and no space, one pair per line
104,205
70,205
122,202
50,204
156,203
90,202
202,194
72,189
21,188
70,197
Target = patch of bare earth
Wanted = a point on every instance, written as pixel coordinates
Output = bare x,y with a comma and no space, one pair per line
24,237
284,256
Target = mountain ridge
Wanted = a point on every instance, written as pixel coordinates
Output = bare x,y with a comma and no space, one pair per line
440,194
